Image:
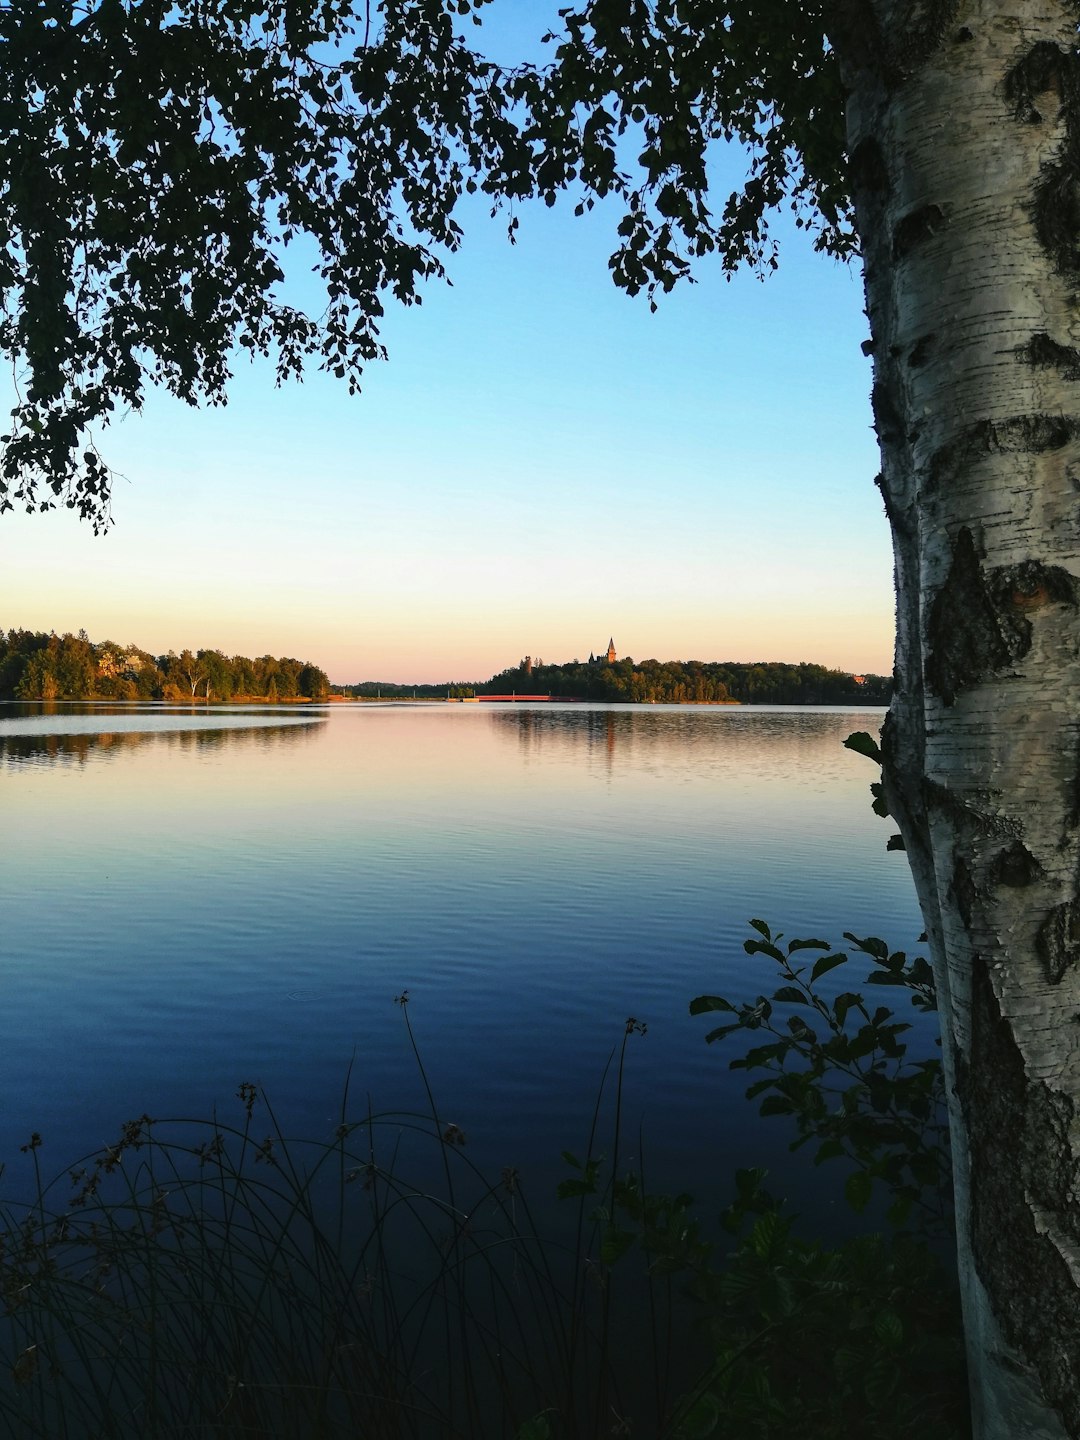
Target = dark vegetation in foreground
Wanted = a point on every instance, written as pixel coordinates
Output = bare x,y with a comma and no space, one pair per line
213,1278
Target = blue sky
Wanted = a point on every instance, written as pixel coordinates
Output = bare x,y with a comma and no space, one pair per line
542,463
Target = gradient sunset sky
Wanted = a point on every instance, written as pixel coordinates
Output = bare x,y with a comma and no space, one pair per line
542,463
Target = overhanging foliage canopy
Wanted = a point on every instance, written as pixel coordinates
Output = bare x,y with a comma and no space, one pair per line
157,161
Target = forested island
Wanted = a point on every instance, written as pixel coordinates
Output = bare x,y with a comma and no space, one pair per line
36,666
645,682
692,681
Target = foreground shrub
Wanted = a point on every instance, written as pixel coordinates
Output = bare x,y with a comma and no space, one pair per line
223,1279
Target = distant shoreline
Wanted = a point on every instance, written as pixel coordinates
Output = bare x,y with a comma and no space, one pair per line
239,701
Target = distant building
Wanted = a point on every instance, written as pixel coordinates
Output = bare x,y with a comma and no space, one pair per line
527,665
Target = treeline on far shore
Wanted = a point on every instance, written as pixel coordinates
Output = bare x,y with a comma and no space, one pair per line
39,666
393,690
693,682
646,682
36,666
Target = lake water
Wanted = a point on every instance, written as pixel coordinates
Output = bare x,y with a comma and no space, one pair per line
191,899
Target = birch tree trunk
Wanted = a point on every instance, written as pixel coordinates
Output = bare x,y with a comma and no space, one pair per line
964,133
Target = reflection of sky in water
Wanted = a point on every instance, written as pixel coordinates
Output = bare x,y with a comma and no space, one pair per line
105,725
186,908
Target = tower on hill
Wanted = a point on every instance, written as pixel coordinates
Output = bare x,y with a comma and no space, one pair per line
611,657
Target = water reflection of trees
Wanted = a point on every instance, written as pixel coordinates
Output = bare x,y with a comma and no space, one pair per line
733,734
68,749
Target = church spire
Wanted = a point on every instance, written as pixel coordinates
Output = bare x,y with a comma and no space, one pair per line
611,651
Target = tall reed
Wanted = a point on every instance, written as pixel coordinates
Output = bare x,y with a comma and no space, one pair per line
224,1278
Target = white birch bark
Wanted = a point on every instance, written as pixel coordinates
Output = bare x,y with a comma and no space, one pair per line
964,131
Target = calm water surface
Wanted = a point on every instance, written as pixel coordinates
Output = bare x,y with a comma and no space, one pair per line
194,899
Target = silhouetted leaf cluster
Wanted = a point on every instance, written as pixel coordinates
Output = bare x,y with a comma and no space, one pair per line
164,168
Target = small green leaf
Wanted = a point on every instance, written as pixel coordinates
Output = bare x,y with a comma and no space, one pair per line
535,1429
899,1210
759,1055
863,743
721,1031
857,1190
870,946
702,1004
825,964
759,947
925,1169
615,1244
843,1003
701,1420
761,928
748,1181
775,1105
828,1150
794,945
768,1233
791,995
571,1189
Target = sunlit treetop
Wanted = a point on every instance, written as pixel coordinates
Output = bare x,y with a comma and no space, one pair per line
158,160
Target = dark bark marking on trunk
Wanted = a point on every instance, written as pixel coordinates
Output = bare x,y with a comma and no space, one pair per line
978,623
1056,211
1014,866
901,520
1041,70
968,636
1020,434
916,29
866,169
888,419
1031,585
915,227
1047,70
921,351
1042,352
1058,942
1021,1156
969,819
964,891
856,35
